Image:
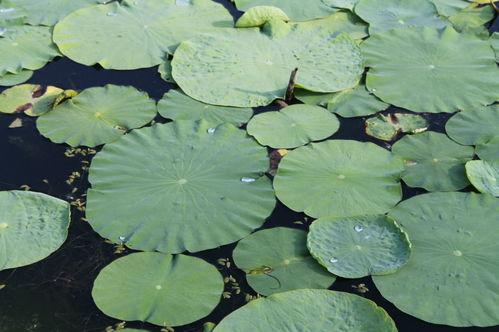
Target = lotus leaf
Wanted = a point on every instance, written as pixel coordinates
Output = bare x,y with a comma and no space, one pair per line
384,15
433,161
297,10
10,79
357,247
448,8
135,33
293,126
356,102
10,13
474,127
484,176
259,15
158,288
472,17
277,260
339,178
488,150
427,70
25,47
451,277
30,99
308,310
205,188
388,127
97,115
33,226
314,98
165,71
348,4
177,106
494,40
249,67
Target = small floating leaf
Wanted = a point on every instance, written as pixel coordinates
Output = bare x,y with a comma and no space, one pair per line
259,15
30,99
32,226
484,176
298,10
388,127
165,71
357,247
166,284
356,102
9,79
293,126
473,127
277,260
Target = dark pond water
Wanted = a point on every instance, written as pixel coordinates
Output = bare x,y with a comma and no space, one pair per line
54,295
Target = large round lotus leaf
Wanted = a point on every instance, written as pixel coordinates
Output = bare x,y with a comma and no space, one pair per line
293,126
180,186
339,178
484,176
249,67
25,47
49,12
387,127
433,161
297,10
356,102
32,226
277,260
451,277
477,126
30,99
359,246
427,70
177,106
10,79
308,310
393,14
97,116
166,290
135,33
259,15
488,150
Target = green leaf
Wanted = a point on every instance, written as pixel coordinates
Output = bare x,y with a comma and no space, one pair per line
277,260
136,33
348,4
165,71
494,40
427,70
356,102
454,262
339,178
204,189
30,99
450,7
177,106
10,79
32,226
297,10
249,67
384,15
488,150
433,161
472,17
357,247
484,176
97,115
293,126
158,288
314,98
388,127
308,310
473,127
259,15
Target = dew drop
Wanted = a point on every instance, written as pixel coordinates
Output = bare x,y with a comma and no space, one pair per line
182,181
211,131
158,287
457,253
248,180
431,66
112,14
341,177
333,260
401,21
122,238
358,228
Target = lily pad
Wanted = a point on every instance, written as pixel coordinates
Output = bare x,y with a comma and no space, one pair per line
339,178
348,4
151,28
30,99
249,67
387,127
474,127
277,260
177,106
494,40
297,10
25,47
427,70
10,79
165,71
32,226
356,102
308,310
384,15
484,176
488,150
314,98
204,189
97,115
166,285
472,17
454,262
357,247
259,15
448,8
293,126
433,161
